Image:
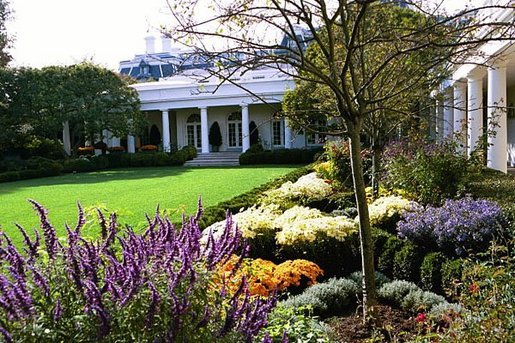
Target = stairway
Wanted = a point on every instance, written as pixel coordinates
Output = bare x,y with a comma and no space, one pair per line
215,159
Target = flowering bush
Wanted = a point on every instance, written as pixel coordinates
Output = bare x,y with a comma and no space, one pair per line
125,287
304,225
386,211
456,227
306,189
265,277
116,149
87,150
148,147
337,163
296,225
430,172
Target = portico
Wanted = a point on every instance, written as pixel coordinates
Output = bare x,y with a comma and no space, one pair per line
183,108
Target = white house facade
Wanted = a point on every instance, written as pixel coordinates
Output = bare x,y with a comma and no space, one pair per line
479,98
184,107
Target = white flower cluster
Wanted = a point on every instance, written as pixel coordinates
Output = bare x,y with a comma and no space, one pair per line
307,188
385,208
305,225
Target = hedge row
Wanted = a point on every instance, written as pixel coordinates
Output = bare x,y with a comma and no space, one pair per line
40,167
280,156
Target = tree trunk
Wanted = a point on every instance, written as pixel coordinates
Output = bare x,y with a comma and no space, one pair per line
367,250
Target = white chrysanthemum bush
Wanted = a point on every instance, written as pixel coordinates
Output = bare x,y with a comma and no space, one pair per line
385,211
306,189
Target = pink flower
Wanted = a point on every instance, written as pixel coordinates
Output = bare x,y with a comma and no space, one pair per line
421,317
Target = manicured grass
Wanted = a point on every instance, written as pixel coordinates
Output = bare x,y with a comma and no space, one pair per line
129,192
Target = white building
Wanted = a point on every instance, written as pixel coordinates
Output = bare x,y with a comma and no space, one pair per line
481,96
182,102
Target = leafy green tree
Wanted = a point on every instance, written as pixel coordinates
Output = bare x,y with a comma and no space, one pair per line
5,40
88,97
364,58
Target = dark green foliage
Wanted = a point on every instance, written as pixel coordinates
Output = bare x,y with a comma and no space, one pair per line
255,148
429,172
339,200
118,159
215,136
451,274
385,260
101,162
406,263
381,279
431,272
280,156
78,165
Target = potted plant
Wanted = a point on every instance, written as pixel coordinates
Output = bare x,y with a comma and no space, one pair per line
215,136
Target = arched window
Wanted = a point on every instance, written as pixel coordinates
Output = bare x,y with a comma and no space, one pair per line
194,131
234,130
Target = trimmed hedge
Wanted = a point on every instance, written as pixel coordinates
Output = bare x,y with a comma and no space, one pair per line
280,156
36,167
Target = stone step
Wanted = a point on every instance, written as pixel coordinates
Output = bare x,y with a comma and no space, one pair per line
215,159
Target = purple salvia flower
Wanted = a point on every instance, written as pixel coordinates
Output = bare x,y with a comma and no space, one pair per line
40,281
31,247
6,335
51,241
16,261
200,210
103,224
58,310
81,221
154,302
267,339
285,337
23,298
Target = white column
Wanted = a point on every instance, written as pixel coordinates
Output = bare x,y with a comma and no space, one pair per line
67,143
497,155
166,130
245,145
448,113
460,113
287,134
204,129
131,144
474,109
439,118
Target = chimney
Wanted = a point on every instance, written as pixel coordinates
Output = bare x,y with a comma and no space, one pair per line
167,44
150,44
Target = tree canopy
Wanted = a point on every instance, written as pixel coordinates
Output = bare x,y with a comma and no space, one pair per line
38,101
5,40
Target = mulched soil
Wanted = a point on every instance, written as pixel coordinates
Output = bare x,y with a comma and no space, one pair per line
389,324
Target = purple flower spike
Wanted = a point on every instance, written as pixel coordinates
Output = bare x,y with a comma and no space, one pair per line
6,335
51,241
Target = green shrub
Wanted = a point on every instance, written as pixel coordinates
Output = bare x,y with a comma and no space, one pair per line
419,300
100,162
280,156
381,279
385,261
142,159
78,165
118,159
431,272
406,263
46,166
337,166
430,172
10,176
299,326
451,274
394,292
326,299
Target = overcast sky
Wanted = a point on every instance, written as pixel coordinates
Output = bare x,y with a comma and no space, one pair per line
50,32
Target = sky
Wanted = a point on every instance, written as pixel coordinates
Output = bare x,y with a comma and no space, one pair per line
63,32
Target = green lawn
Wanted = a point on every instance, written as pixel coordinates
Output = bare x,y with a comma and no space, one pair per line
129,192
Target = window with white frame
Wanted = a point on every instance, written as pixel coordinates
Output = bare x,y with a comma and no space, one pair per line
278,132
